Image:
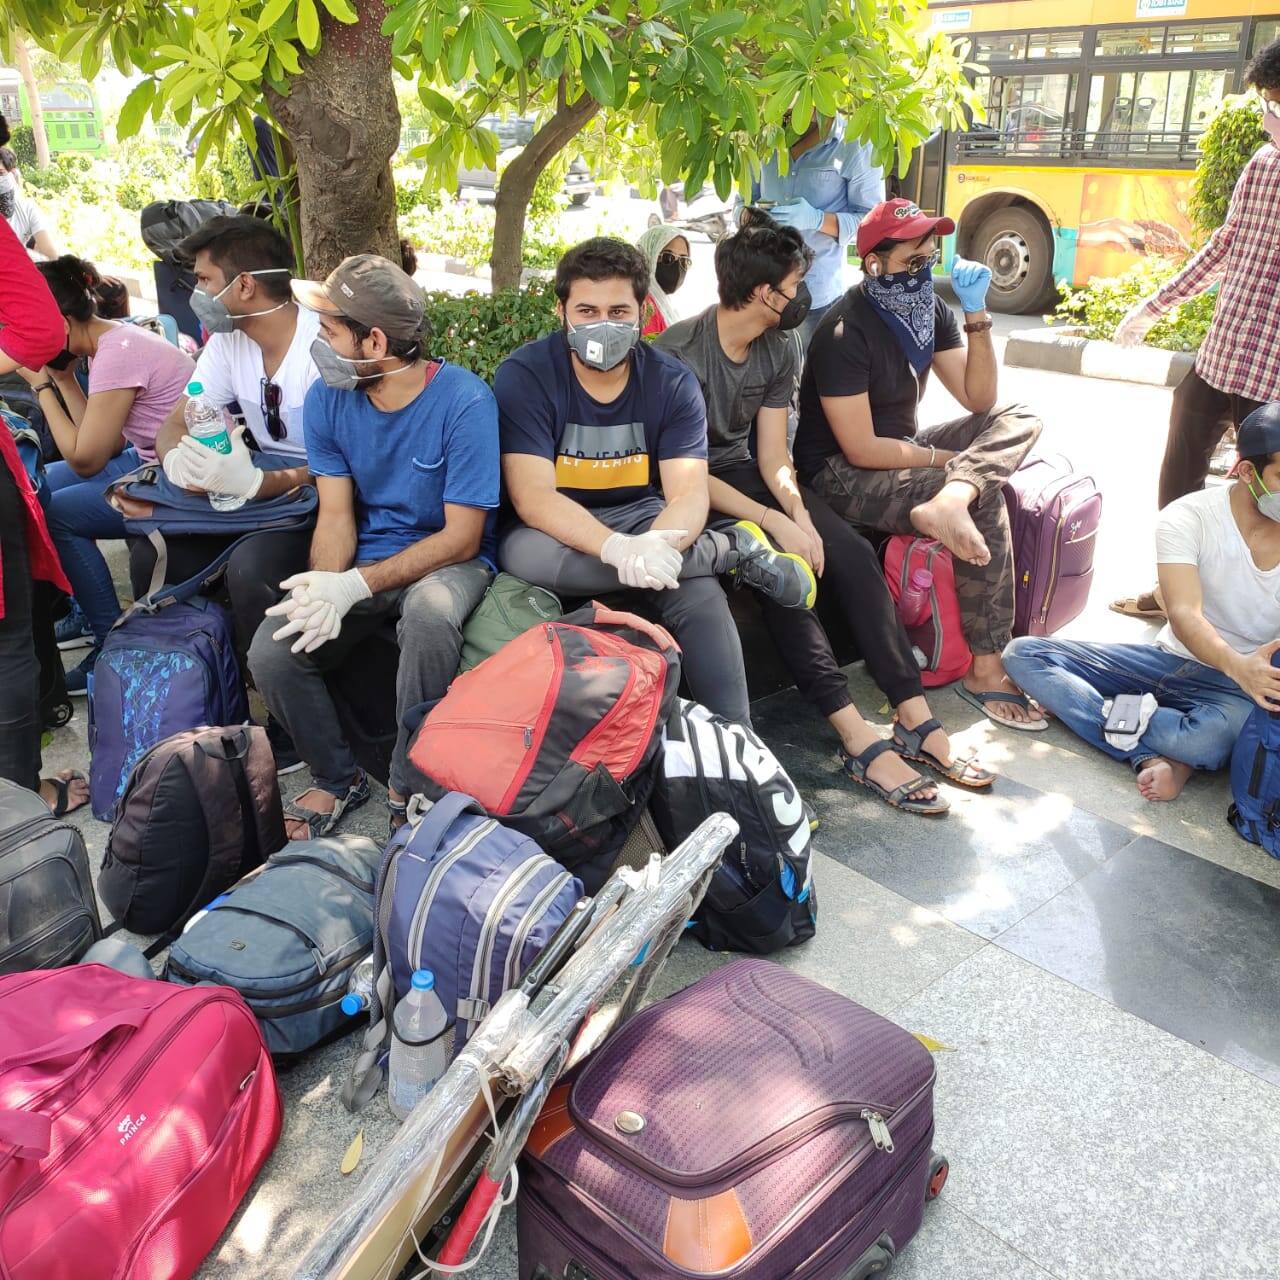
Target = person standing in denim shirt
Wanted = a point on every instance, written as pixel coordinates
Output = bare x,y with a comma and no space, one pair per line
829,187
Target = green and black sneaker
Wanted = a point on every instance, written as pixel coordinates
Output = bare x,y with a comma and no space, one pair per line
783,576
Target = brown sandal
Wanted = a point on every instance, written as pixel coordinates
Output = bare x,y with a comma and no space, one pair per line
1149,606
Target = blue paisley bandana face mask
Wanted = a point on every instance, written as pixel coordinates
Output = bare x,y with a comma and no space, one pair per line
905,303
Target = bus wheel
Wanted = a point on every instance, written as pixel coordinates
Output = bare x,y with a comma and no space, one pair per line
1015,243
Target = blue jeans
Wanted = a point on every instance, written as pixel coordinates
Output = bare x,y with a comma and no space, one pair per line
78,514
1201,711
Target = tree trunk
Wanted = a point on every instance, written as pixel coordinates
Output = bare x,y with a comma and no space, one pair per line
21,57
518,179
343,123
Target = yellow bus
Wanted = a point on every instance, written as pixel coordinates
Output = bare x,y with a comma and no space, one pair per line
1084,163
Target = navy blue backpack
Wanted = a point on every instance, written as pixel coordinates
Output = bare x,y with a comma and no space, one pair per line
467,898
1255,779
169,663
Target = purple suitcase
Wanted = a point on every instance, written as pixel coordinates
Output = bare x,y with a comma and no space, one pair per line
1054,516
756,1126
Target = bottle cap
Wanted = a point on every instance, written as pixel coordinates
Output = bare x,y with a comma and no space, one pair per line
195,388
352,1005
921,579
423,980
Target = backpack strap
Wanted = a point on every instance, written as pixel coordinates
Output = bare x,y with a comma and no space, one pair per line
431,823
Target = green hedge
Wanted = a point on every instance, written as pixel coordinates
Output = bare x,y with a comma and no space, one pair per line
1102,304
479,330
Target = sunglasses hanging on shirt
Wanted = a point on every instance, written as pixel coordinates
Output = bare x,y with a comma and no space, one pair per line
269,401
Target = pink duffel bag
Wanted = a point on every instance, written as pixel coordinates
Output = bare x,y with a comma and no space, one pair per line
134,1115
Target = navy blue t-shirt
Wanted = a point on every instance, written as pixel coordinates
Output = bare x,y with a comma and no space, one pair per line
605,454
441,447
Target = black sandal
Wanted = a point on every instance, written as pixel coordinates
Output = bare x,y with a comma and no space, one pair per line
856,767
321,824
62,789
963,772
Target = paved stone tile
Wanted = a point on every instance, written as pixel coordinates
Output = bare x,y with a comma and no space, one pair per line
1181,942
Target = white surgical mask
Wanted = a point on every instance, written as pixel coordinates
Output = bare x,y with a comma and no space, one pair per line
212,312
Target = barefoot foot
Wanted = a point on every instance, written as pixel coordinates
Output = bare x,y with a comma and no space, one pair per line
1162,779
946,518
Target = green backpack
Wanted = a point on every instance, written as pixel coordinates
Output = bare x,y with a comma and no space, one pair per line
509,608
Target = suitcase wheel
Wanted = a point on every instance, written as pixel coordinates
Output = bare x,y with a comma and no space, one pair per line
58,715
938,1170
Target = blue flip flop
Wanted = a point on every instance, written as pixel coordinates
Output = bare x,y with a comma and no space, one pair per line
980,701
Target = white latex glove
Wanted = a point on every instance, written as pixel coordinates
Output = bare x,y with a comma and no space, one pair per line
646,561
1133,328
316,604
175,466
231,473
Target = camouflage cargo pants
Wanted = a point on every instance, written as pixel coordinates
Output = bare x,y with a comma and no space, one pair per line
991,447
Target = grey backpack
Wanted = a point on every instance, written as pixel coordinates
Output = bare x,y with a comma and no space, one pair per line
287,938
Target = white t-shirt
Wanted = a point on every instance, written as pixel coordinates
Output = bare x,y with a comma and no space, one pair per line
1241,602
26,220
230,368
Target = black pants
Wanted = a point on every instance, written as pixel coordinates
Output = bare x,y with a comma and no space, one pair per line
19,668
852,575
1198,420
253,576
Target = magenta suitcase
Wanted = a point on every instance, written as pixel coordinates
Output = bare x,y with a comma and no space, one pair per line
756,1126
1054,515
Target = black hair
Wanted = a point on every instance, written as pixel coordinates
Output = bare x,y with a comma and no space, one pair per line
74,284
1261,462
112,298
603,258
8,159
4,132
236,244
408,257
889,244
761,253
1264,71
261,209
406,349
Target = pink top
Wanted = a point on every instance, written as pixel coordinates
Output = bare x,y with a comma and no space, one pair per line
132,357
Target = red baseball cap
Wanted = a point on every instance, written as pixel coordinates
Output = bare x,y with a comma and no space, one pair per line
898,220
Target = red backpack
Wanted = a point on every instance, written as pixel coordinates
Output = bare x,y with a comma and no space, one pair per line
557,734
940,637
133,1117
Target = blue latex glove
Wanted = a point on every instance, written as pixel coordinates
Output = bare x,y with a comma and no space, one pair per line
971,280
801,215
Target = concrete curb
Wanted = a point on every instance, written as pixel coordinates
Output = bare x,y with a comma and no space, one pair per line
1066,351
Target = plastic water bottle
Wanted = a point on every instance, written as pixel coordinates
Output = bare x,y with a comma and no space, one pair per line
206,424
359,989
419,1044
913,605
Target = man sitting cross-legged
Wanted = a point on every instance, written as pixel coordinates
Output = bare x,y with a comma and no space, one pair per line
604,448
859,445
746,360
1218,552
404,451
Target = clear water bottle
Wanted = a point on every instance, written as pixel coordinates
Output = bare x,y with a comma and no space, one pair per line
359,989
913,605
419,1044
206,424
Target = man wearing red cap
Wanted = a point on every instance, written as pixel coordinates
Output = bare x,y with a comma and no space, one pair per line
859,443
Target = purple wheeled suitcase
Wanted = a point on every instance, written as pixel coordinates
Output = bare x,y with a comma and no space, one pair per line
756,1126
1054,516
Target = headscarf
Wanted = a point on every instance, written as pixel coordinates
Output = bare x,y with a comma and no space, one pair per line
651,244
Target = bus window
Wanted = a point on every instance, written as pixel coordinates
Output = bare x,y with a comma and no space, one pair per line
1138,112
1264,32
1026,115
1056,44
1130,42
1203,37
1000,48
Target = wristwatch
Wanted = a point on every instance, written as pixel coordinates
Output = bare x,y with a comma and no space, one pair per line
979,326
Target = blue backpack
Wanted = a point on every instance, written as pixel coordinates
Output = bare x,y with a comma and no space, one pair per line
1255,780
465,897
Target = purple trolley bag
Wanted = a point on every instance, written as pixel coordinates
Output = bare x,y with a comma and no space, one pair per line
755,1126
1053,519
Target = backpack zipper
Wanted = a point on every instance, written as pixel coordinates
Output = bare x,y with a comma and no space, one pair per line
80,913
541,905
481,967
284,858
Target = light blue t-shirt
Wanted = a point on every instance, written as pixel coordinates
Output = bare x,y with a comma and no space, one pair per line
835,177
441,447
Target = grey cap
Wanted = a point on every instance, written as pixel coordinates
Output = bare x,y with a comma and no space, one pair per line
371,290
1259,433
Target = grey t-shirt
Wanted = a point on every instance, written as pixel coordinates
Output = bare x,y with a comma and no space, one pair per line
734,392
